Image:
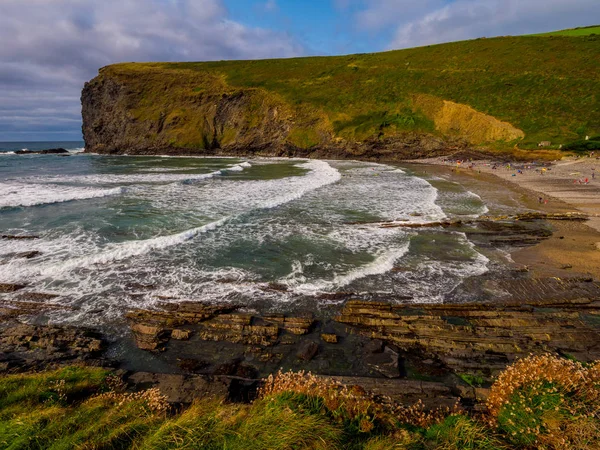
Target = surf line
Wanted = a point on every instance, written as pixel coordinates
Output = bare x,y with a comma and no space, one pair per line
321,174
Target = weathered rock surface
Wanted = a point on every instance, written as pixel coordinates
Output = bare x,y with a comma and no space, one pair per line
308,350
153,329
29,347
206,115
483,338
11,287
187,388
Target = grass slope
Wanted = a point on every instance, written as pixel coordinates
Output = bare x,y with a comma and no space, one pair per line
539,402
579,31
546,86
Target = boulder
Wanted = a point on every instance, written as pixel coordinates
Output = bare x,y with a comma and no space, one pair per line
307,350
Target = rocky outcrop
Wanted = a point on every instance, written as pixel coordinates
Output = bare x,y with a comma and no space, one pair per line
455,118
29,347
124,111
153,329
484,338
50,151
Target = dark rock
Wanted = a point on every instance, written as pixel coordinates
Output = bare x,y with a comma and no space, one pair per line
278,287
182,388
335,295
374,346
23,255
37,297
28,347
485,338
236,368
10,287
14,237
191,365
386,362
432,394
50,151
307,350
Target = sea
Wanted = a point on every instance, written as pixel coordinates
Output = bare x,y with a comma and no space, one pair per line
123,232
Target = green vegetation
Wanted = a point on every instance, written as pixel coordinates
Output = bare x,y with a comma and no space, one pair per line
546,86
579,31
539,402
472,380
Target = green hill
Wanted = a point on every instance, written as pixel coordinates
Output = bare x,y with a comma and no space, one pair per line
496,92
579,31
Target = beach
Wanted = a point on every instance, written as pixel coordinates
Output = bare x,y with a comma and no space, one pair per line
559,186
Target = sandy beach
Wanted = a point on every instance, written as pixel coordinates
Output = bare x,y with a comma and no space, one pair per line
571,184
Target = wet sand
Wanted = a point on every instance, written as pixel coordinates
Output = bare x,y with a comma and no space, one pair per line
574,248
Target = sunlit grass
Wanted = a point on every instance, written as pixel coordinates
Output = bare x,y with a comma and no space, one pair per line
539,402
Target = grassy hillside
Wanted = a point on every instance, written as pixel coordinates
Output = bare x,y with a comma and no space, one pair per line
542,88
579,31
539,402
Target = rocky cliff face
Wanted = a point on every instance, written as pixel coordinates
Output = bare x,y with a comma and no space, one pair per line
185,112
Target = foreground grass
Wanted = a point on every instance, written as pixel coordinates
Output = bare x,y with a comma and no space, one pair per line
540,402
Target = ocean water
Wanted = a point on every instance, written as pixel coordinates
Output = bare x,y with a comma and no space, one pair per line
122,232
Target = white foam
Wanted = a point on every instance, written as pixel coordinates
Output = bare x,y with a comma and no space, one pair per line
236,168
76,150
132,248
133,178
7,153
320,174
382,264
21,194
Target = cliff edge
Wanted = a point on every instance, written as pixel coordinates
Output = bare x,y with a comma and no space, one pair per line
411,103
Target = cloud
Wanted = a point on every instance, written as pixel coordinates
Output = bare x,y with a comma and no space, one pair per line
466,19
270,6
51,47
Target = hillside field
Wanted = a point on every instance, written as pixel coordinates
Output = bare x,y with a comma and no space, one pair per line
498,92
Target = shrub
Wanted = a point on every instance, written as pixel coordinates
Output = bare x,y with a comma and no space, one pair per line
548,402
461,432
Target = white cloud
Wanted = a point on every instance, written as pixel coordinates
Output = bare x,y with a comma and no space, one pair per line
51,47
467,19
270,6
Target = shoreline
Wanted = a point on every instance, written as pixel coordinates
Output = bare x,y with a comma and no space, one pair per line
574,248
370,343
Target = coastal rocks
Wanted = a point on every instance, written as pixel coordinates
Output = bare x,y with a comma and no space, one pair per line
17,237
21,255
11,287
26,347
385,362
330,338
181,388
308,350
408,392
481,338
28,305
488,221
152,330
50,151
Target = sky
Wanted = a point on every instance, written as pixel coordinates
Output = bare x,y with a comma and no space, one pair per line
50,48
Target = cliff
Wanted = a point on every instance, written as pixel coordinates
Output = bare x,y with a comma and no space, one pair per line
394,105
